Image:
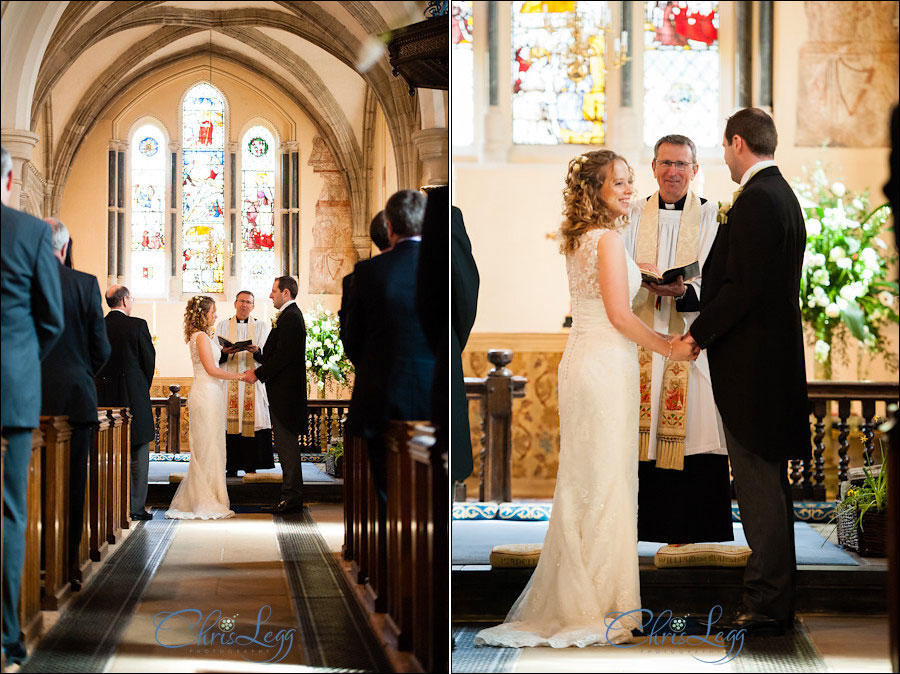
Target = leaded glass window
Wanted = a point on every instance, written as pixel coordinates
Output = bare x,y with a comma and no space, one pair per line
463,72
203,191
258,157
559,72
148,217
681,71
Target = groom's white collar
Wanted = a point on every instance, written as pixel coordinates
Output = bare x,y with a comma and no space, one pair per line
287,304
756,168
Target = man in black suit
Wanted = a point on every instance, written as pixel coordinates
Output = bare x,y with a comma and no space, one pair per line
378,234
750,324
67,375
283,371
384,340
125,382
31,321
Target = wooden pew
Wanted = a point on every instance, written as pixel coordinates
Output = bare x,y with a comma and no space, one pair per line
98,488
114,477
430,560
356,469
376,540
123,513
30,617
400,588
351,500
55,481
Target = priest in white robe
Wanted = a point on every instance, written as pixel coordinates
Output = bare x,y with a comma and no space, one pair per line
684,487
248,426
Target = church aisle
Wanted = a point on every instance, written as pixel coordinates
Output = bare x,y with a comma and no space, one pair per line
214,571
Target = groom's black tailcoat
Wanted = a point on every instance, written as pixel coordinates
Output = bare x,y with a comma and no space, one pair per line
749,320
284,369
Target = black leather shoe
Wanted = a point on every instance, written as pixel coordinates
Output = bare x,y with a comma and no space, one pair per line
288,508
744,619
271,508
139,517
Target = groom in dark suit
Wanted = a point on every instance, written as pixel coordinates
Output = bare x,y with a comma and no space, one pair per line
283,371
750,324
125,381
31,322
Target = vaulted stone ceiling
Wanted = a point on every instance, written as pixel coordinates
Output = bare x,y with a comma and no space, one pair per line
97,51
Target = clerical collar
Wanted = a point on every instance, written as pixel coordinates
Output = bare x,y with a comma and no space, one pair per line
677,206
241,321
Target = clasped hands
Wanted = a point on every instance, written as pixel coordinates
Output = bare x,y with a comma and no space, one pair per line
683,347
248,376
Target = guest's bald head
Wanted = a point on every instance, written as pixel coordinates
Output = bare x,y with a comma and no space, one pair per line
119,297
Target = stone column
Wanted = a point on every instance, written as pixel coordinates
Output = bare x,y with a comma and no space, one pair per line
19,143
433,148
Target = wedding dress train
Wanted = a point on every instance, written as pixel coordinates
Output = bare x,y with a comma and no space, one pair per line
202,493
586,584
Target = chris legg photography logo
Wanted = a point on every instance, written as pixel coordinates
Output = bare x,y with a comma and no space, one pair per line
215,634
657,630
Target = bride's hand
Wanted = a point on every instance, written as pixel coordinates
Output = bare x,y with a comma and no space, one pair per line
682,350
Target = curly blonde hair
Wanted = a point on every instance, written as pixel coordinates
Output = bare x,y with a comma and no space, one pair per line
195,316
583,207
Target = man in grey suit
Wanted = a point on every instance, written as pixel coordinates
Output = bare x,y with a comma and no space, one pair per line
31,321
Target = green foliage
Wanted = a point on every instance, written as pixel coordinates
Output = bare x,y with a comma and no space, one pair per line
325,357
844,290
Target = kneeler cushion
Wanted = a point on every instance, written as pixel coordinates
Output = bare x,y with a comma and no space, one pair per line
176,477
516,555
701,554
262,477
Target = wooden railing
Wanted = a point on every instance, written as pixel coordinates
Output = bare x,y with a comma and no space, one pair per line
166,416
399,557
324,423
47,569
807,477
496,393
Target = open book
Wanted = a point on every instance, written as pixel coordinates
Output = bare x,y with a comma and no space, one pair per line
688,271
240,346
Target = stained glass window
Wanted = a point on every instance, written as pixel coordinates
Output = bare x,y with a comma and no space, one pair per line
681,71
258,153
558,72
203,191
148,192
462,73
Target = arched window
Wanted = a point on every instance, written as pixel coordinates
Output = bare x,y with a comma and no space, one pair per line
681,71
258,163
148,216
203,191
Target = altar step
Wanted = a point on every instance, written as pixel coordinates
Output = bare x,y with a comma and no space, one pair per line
482,593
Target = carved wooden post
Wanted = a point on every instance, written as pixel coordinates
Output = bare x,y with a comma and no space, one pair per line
55,481
124,476
843,443
351,500
173,410
868,430
498,426
98,490
114,476
818,489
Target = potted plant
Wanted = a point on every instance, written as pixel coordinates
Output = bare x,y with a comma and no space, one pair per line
862,514
334,459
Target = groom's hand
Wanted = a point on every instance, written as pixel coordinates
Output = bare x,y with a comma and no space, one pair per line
248,376
686,337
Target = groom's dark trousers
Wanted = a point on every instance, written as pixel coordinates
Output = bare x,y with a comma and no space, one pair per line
31,321
750,325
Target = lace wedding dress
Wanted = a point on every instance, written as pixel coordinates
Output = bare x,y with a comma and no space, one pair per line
202,493
588,569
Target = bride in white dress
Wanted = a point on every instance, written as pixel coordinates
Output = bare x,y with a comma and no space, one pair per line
202,493
588,570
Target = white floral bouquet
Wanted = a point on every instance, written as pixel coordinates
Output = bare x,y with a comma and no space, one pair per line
844,288
325,357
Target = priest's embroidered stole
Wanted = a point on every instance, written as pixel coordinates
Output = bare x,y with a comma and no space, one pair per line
671,426
241,421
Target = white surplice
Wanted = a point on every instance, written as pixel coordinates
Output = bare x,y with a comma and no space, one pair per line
261,404
704,432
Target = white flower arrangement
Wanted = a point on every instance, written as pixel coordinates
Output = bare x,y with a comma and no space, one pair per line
325,357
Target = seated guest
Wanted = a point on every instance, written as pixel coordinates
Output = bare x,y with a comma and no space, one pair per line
67,376
31,321
125,382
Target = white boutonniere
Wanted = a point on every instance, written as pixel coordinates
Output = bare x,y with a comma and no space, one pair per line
722,216
275,320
